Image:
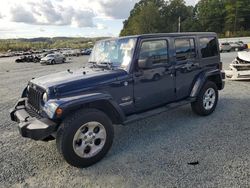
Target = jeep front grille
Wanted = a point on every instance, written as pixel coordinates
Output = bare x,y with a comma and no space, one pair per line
33,113
35,98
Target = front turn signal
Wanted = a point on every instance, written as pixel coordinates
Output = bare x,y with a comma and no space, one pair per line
59,112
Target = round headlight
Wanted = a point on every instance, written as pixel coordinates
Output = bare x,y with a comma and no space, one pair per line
45,97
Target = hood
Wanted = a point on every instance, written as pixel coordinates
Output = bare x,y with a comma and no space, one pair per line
79,80
245,56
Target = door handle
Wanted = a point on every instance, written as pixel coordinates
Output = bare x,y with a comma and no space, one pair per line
190,65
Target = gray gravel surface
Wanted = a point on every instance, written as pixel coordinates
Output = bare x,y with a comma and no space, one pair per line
153,152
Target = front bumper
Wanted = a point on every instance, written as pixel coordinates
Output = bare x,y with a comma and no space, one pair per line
37,128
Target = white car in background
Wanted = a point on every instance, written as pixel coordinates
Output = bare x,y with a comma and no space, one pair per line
225,46
51,59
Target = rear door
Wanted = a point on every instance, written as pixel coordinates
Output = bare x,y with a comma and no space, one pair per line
187,65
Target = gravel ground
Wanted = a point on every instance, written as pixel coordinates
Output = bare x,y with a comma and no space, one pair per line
154,152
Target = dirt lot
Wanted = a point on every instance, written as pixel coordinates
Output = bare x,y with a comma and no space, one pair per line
154,152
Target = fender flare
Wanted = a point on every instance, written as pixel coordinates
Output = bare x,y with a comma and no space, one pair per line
24,92
95,100
202,78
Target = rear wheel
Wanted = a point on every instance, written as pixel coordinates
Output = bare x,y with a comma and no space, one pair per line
206,100
85,137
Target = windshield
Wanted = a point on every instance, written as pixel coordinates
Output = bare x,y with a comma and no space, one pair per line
115,52
50,55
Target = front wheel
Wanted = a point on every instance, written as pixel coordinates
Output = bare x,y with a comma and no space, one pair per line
53,62
206,100
85,137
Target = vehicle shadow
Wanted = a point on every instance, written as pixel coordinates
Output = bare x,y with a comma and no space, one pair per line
179,127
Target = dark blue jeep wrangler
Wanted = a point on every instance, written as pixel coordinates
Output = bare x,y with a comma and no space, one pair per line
126,79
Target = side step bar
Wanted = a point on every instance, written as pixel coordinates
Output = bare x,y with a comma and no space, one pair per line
136,117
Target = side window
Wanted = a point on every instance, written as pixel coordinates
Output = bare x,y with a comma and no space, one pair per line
208,47
185,49
156,50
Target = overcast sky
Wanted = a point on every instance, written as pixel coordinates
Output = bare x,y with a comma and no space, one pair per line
49,18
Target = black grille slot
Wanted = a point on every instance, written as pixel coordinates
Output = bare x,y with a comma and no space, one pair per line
32,113
35,98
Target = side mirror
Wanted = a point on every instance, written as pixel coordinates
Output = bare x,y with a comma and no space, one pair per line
145,63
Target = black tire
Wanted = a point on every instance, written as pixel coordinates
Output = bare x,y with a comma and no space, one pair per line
70,126
198,106
53,62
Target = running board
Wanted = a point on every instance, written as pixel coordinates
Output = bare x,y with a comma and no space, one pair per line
136,117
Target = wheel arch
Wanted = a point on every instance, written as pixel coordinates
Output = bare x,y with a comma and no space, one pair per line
214,76
102,102
110,108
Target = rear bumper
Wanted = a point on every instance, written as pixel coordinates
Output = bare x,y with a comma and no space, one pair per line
30,126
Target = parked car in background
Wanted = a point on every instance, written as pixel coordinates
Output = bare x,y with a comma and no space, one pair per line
236,46
72,52
245,46
87,51
225,46
51,59
67,53
76,52
28,59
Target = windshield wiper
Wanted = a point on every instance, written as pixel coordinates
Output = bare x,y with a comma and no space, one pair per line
103,64
93,63
107,64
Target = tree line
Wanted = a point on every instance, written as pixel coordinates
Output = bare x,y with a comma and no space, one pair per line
46,43
228,18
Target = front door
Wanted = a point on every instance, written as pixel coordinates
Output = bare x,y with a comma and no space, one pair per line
153,86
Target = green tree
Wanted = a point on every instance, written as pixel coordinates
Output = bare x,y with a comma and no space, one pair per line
157,16
145,17
211,15
172,11
237,15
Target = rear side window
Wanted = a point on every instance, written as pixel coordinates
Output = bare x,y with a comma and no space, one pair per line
208,46
185,49
157,50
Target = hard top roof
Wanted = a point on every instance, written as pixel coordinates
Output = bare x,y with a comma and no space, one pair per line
173,34
167,35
